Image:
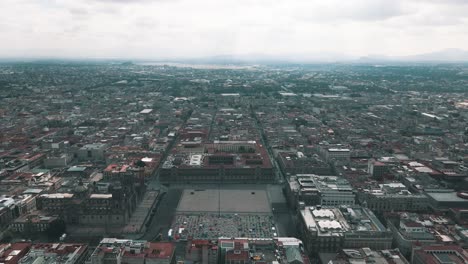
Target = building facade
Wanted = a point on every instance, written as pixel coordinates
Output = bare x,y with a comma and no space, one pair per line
330,229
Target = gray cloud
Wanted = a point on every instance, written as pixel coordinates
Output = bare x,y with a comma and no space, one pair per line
75,29
127,2
146,22
120,1
211,27
445,2
78,11
344,11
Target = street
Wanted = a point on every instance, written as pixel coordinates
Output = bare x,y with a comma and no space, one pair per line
161,221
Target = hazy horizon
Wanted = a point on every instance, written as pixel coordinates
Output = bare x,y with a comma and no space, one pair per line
164,29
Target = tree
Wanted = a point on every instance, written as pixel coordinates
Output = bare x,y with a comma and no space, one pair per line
56,228
7,236
140,164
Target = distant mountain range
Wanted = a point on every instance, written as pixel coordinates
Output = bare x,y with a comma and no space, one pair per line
442,56
447,56
323,57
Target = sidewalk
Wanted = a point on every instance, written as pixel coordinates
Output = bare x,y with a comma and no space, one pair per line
138,218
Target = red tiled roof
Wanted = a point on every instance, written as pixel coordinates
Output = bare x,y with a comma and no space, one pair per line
8,258
163,250
428,254
237,255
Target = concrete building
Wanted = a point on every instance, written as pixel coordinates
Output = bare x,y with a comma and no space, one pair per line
335,153
50,253
202,251
330,229
377,169
113,250
320,190
92,209
55,145
13,206
298,163
413,229
444,200
33,222
338,154
7,211
392,196
334,191
436,254
11,253
97,209
92,152
364,256
108,199
230,162
281,250
302,190
78,171
58,161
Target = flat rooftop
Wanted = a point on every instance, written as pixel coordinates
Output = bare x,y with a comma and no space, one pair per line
333,221
224,201
446,197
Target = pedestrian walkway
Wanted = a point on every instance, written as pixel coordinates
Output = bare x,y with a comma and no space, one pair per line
213,226
142,212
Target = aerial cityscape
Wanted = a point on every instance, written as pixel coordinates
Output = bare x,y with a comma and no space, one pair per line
127,162
233,132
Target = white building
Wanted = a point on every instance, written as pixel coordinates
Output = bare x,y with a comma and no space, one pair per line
331,228
340,154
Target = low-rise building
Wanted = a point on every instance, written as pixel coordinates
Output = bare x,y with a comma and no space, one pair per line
292,163
364,256
100,201
436,254
113,250
58,161
221,161
320,190
338,153
328,229
444,200
377,169
80,207
13,206
392,196
11,253
50,253
202,251
281,250
32,222
412,229
92,152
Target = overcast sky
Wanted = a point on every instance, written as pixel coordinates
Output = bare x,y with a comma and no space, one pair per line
197,28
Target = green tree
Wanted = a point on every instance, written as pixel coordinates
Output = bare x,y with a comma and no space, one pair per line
7,236
56,229
140,164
